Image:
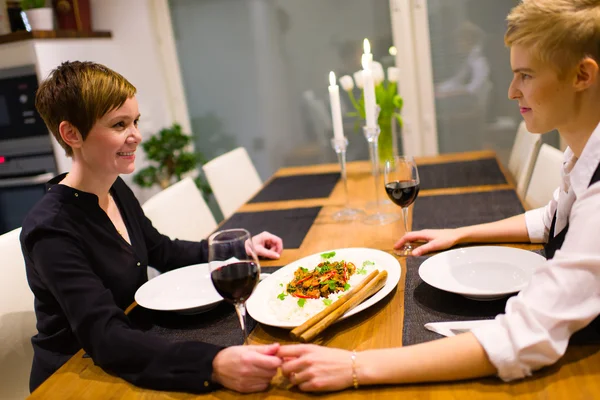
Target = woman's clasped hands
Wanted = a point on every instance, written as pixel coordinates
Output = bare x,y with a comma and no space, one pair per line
249,369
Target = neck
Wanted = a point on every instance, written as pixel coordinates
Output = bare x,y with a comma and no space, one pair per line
586,118
83,179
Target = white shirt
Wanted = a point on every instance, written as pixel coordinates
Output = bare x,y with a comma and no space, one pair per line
564,294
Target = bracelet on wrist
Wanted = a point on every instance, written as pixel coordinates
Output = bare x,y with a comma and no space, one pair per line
354,377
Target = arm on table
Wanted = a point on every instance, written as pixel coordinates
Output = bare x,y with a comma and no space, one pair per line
513,229
115,344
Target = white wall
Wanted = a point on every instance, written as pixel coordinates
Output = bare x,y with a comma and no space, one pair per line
133,52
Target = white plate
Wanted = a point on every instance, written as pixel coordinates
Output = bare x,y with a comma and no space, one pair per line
481,273
188,289
266,308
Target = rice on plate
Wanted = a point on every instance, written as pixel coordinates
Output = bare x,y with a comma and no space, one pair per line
295,310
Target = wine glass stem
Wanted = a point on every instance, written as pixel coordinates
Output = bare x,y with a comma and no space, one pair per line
406,228
240,309
374,155
342,159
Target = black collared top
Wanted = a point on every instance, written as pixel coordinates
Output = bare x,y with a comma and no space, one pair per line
84,275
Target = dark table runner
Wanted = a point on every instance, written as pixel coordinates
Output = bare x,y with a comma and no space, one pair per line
461,173
219,326
298,187
424,303
456,210
291,225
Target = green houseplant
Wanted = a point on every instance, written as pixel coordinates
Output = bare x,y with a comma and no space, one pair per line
170,160
39,16
30,4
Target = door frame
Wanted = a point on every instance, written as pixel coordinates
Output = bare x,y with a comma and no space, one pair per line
410,32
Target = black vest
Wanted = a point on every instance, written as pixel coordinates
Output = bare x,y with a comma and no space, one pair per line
555,242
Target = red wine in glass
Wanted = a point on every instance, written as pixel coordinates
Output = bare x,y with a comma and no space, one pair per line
236,281
401,178
402,193
234,269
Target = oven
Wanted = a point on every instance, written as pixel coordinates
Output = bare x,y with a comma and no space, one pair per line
26,154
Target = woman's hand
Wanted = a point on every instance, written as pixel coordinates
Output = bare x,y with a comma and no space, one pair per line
437,239
246,369
267,245
315,368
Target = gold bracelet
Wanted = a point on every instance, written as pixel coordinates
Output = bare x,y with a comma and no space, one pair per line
354,378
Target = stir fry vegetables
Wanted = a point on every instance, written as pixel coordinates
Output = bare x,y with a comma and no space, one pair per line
327,278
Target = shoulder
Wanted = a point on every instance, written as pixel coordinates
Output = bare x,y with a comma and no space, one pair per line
49,215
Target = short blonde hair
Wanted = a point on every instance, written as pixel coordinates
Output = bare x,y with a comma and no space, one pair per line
560,32
80,93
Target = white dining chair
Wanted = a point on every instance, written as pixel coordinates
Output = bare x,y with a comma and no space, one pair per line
233,179
17,320
546,177
523,156
180,212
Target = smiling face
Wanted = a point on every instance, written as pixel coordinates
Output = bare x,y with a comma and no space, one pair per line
546,100
109,148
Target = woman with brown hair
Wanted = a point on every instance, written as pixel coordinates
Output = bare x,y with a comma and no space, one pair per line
87,244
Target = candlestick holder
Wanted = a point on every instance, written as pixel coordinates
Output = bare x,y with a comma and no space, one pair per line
347,213
378,217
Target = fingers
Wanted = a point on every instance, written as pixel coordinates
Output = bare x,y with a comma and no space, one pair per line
413,236
426,248
269,350
264,252
294,366
294,350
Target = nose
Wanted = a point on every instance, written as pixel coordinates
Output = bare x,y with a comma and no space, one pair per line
513,92
134,135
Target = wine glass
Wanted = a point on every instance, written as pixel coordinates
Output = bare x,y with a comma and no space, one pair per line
401,179
234,269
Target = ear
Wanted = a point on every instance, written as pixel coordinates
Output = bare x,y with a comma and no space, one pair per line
70,134
586,74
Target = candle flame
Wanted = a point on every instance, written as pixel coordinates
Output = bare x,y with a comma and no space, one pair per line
366,46
332,78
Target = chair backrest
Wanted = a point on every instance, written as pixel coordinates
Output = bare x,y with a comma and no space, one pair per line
180,212
17,320
522,157
546,176
233,179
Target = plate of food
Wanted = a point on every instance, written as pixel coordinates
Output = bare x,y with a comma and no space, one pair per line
304,288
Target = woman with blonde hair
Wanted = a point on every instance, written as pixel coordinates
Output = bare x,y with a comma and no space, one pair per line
87,244
555,57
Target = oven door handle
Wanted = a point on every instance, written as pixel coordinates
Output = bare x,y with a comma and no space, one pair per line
30,180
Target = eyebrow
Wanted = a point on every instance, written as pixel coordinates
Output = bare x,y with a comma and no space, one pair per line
124,117
523,70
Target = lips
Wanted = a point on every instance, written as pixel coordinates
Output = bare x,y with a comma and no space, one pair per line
524,109
126,154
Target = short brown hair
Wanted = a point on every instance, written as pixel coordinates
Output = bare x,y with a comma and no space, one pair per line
561,32
80,93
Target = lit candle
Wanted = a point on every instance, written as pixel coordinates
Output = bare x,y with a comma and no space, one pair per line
336,109
367,51
369,92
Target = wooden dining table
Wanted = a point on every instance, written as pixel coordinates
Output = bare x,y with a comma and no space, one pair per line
575,376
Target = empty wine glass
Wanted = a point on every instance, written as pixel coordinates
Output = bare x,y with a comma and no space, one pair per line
401,179
234,269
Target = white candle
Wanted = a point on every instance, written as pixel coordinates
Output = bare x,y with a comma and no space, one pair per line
369,92
367,52
336,109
